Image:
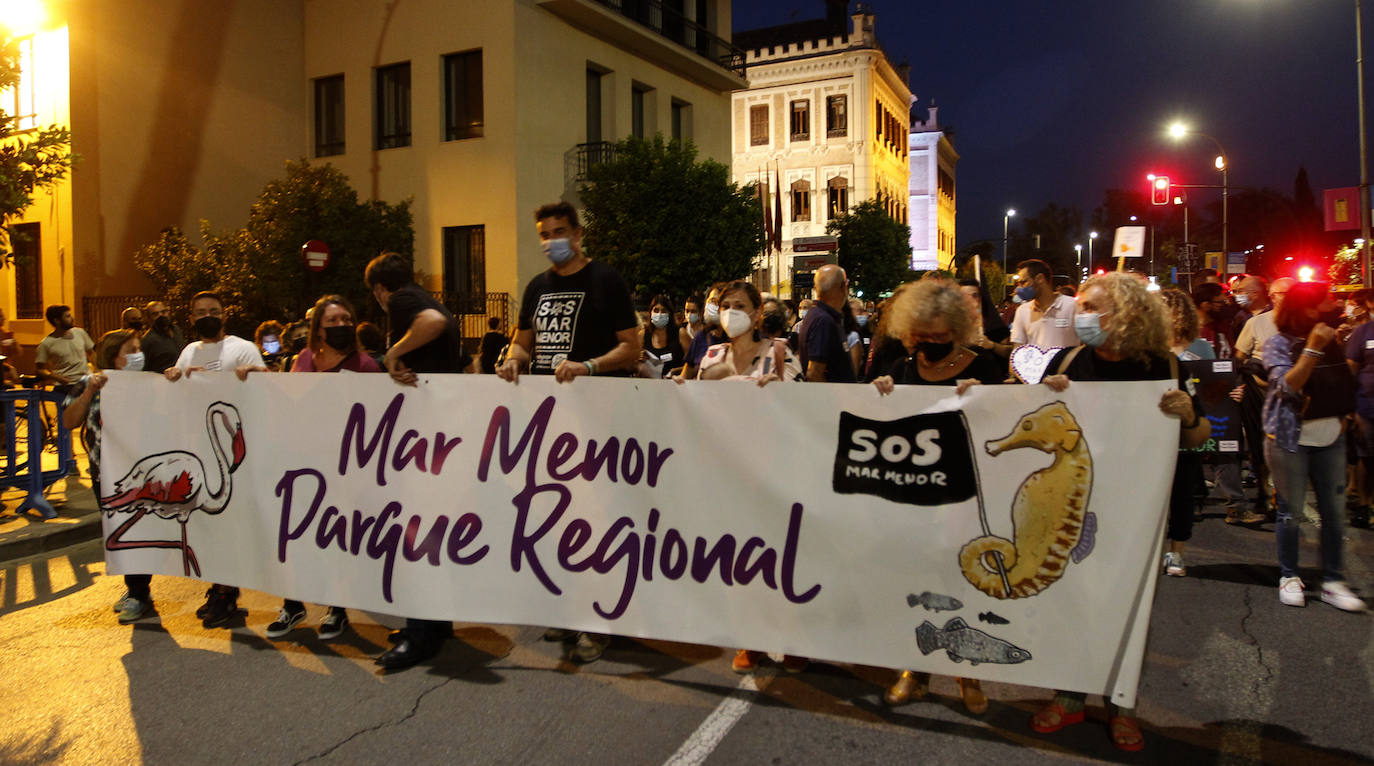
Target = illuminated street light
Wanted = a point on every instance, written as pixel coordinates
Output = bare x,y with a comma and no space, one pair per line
1010,212
23,17
1078,249
1179,131
1091,236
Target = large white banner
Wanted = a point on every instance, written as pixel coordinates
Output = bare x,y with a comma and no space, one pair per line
1011,534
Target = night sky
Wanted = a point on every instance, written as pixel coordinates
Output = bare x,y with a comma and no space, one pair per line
1059,100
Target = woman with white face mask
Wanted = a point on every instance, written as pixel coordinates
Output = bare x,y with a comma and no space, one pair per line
662,342
1124,332
745,356
116,350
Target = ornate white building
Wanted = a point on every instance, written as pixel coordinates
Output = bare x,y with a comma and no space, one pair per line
826,118
932,200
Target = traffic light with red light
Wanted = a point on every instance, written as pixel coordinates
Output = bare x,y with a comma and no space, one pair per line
1159,190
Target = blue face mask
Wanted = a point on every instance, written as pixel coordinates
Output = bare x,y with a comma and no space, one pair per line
862,319
1089,329
1025,293
558,250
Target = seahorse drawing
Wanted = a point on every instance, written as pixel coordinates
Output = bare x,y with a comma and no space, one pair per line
1047,513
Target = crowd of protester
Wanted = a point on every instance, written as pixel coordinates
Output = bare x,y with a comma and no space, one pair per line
1304,362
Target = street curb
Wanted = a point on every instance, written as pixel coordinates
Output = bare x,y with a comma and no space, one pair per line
77,521
46,537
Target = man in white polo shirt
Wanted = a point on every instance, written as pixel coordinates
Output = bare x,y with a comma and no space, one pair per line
1045,317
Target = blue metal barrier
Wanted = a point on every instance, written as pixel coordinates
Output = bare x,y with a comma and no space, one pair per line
25,405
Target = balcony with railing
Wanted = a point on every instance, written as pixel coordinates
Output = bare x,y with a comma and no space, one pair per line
662,34
579,160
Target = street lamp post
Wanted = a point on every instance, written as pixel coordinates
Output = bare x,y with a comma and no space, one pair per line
1079,258
1178,130
1091,236
1005,218
1364,161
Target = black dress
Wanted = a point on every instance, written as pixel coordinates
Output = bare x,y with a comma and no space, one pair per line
986,367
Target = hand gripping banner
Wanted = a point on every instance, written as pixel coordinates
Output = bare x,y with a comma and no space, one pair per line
1011,534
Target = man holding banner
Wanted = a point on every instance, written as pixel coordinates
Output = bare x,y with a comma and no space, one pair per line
424,339
576,319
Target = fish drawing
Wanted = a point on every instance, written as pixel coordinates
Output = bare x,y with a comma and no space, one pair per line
994,619
935,602
961,642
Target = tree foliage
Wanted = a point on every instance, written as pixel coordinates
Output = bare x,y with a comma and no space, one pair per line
668,222
258,269
874,249
29,159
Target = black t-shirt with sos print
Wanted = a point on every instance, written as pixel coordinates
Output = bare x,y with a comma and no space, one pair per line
575,316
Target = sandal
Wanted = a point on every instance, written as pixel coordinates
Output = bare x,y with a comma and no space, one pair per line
1126,733
909,684
975,701
1041,723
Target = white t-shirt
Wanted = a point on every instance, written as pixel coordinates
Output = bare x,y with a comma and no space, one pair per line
66,356
1258,329
1054,329
227,355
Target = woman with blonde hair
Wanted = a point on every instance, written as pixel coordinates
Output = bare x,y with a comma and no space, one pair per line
932,319
1125,335
934,322
1183,327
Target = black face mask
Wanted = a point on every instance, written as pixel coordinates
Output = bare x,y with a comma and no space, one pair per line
773,323
136,324
340,337
209,327
1225,312
934,352
163,324
1331,318
298,344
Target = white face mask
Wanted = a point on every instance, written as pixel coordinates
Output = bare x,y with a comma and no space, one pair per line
694,318
802,314
133,362
735,322
660,319
712,313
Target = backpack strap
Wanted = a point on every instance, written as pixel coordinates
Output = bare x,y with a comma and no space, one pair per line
1068,359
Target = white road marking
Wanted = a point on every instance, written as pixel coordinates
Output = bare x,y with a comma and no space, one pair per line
708,735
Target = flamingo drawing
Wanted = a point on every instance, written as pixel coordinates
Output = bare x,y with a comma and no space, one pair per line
173,484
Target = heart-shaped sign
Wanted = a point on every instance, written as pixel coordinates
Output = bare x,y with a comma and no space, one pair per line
1028,363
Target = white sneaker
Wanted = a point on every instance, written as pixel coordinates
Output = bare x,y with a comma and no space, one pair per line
1290,591
1173,565
1338,595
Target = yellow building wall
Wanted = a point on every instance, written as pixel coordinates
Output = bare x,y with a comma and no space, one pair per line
182,110
51,209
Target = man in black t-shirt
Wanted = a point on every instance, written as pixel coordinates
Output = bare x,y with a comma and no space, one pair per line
575,319
424,339
492,344
823,355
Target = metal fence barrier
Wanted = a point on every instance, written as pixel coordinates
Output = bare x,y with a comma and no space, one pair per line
23,465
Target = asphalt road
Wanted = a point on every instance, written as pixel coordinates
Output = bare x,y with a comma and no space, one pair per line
1231,676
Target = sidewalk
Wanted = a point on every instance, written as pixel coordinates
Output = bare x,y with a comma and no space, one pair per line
78,517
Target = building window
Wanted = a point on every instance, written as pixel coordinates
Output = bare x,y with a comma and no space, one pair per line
682,120
329,116
463,116
393,106
637,94
801,120
801,201
21,101
838,188
27,245
836,117
758,125
465,269
593,106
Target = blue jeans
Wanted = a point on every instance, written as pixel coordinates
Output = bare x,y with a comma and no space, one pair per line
1325,467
